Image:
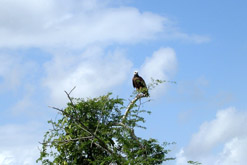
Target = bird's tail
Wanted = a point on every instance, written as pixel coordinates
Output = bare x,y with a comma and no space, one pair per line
145,92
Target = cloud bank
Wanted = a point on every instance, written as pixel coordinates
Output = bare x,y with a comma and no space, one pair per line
74,24
228,129
53,23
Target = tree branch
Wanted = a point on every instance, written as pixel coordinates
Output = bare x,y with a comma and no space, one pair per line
71,90
132,133
139,96
60,110
68,95
69,140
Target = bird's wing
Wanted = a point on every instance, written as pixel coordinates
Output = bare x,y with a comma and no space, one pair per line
142,82
133,82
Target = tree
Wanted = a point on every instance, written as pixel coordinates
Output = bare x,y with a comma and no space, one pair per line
96,131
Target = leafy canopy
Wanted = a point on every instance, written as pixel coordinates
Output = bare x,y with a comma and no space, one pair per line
96,131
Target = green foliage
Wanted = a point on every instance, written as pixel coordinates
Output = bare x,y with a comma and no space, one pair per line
192,162
156,82
95,131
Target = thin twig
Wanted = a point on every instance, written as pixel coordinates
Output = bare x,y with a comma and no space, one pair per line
68,95
60,110
72,90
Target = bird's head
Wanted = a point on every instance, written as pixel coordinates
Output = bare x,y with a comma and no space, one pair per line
135,73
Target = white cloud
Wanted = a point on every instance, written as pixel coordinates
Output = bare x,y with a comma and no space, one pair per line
189,37
92,72
72,23
161,65
25,155
229,130
234,152
19,145
76,24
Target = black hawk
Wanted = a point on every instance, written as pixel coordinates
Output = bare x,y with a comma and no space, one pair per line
139,84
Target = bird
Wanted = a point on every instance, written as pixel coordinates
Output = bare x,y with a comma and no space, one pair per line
139,84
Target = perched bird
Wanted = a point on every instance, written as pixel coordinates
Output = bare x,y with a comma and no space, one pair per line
139,84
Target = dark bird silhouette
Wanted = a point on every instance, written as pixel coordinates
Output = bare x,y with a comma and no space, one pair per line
139,84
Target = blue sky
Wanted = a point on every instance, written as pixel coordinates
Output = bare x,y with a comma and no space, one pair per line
48,46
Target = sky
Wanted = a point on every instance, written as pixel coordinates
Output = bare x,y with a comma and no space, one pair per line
49,46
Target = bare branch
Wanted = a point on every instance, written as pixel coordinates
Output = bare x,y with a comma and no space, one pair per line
139,96
72,90
60,110
68,95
